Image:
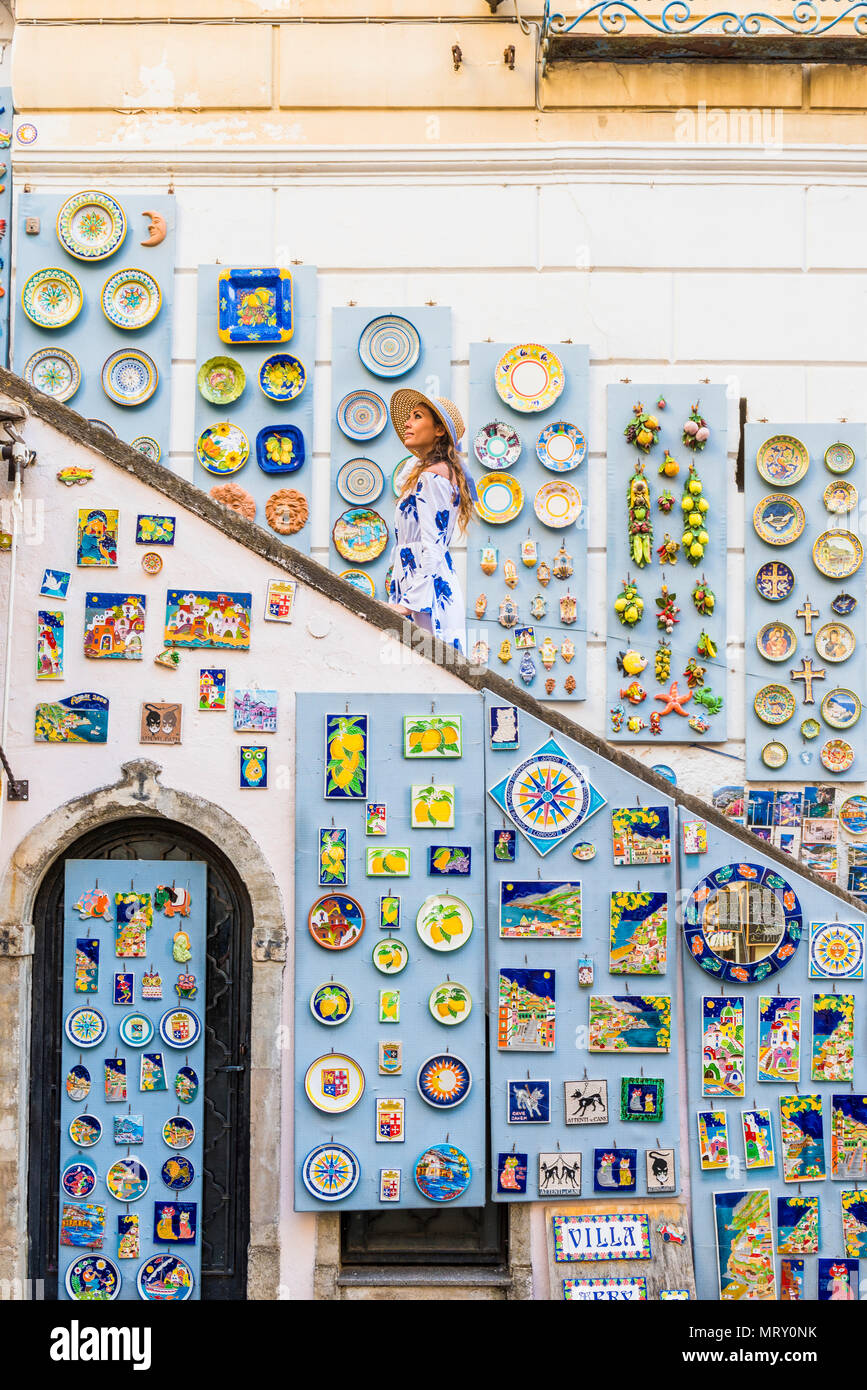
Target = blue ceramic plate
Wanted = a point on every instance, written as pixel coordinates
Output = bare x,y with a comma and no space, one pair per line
330,1171
165,1279
93,1278
775,580
86,1027
282,377
280,449
442,1173
136,1030
255,305
362,415
129,377
180,1027
444,1081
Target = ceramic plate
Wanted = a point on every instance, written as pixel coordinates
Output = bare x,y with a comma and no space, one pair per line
853,815
497,445
131,299
222,448
331,1004
398,469
360,535
835,642
178,1173
335,921
94,1278
774,580
334,1083
282,377
330,1171
444,1081
280,449
129,377
254,305
442,1173
103,425
500,498
85,1131
136,1030
360,581
450,1003
151,562
386,583
51,298
359,480
840,497
776,641
841,708
221,380
54,371
444,922
390,956
837,554
529,377
561,446
86,1027
783,460
837,755
179,1132
774,704
844,604
78,1178
147,445
127,1180
775,755
557,504
839,458
180,1027
165,1279
389,346
778,519
91,225
811,728
362,415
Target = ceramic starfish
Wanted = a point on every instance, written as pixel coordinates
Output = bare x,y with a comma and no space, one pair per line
673,700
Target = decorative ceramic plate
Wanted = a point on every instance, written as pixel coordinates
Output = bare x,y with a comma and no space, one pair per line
52,298
584,850
360,581
86,1027
85,1131
221,380
186,1085
151,562
104,425
450,1003
54,372
442,1173
178,1173
841,708
127,1180
359,480
837,755
362,415
557,504
136,1030
91,225
165,1279
497,445
129,377
131,299
389,346
255,305
835,642
179,1132
397,470
775,755
180,1027
778,519
853,815
839,458
94,1278
330,1171
27,133
280,449
840,497
331,1004
774,580
334,1083
811,728
444,1081
561,447
529,377
844,604
360,535
147,445
500,498
386,583
774,704
390,956
223,448
837,554
776,641
783,460
444,922
335,921
78,1179
282,377
78,1082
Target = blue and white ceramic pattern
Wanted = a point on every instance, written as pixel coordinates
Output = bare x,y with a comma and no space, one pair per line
360,480
389,346
129,377
330,1171
561,446
282,377
86,1027
362,415
52,298
54,371
91,225
131,299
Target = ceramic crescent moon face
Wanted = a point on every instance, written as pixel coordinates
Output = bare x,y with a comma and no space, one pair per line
156,228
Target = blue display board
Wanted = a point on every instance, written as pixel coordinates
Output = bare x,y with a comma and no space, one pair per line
572,406
578,1077
90,337
714,470
812,592
171,1212
431,374
253,410
418,1031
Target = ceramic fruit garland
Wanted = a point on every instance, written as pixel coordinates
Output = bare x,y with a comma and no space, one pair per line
640,525
662,662
643,429
695,508
629,605
704,598
666,617
695,430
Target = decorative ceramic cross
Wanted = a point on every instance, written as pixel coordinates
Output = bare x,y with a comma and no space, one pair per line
807,675
808,613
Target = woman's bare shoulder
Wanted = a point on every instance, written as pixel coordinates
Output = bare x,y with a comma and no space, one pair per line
439,470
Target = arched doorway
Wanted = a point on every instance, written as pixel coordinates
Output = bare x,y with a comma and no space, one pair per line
226,1214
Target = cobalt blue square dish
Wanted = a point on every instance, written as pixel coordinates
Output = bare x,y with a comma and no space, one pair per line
280,449
255,305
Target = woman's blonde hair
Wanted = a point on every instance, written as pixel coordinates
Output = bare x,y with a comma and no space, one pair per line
443,451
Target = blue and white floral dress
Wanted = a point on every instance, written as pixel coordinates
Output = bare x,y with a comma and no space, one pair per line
423,577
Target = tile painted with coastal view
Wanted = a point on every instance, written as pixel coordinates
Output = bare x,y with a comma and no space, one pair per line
208,618
849,1136
630,1023
745,1245
638,933
254,711
833,1048
49,644
854,1212
713,1139
797,1225
779,1045
802,1138
722,1047
527,1010
641,835
758,1138
114,626
540,908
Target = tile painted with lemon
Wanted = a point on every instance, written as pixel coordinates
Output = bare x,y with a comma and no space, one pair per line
332,858
346,740
450,1003
392,861
433,736
390,957
444,922
331,1004
389,1006
389,912
432,808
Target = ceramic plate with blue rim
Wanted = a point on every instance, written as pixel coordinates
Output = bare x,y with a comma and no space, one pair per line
330,1172
91,225
78,1179
360,581
131,299
178,1173
180,1027
165,1279
280,449
94,1278
442,1172
444,1081
127,1180
85,1130
254,305
389,346
104,425
147,445
775,580
331,1004
54,372
844,604
136,1030
561,446
179,1132
282,377
86,1027
359,480
497,445
129,377
362,415
51,298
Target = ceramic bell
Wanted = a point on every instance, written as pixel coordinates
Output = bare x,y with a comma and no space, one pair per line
481,605
543,574
529,552
568,609
508,612
505,652
567,649
527,669
489,559
539,606
481,652
510,573
550,685
548,653
585,972
569,684
562,563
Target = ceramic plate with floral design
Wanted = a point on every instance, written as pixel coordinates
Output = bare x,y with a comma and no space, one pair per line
529,377
222,448
839,458
444,922
497,445
778,519
221,380
774,704
52,298
54,371
91,225
147,445
783,460
282,377
129,377
837,755
131,299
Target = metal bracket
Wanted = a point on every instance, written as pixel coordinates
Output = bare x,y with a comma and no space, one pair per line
17,790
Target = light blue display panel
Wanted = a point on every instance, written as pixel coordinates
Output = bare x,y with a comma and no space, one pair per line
571,1061
809,584
431,375
155,1107
253,410
390,777
714,472
5,217
90,337
790,982
572,406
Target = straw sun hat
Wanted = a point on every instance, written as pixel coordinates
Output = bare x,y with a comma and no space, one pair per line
443,410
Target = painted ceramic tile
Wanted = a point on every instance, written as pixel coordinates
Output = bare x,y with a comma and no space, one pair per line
390,1120
849,1136
347,745
389,1184
638,933
152,1072
389,1006
713,1139
505,845
722,1046
175,1222
133,919
586,1102
547,797
641,1098
622,1235
797,1225
779,1044
114,626
630,1023
527,1010
155,530
503,727
55,584
389,912
595,1289
124,988
433,736
854,1213
431,807
838,1280
82,1224
254,711
833,1049
641,835
160,723
115,1078
802,1140
837,950
540,908
151,985
392,861
694,837
377,818
674,1295
97,538
745,1245
212,688
446,861
333,867
559,1174
758,1138
528,1102
660,1170
76,719
512,1173
49,645
129,1129
128,1244
86,964
390,1058
254,768
208,618
614,1170
791,1281
279,600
